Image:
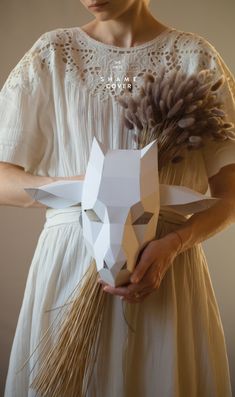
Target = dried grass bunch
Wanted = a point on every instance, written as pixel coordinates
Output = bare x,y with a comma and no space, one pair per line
65,366
181,112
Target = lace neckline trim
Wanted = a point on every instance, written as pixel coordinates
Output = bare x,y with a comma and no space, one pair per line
133,48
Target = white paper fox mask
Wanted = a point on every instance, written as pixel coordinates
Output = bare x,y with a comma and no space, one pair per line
120,201
120,206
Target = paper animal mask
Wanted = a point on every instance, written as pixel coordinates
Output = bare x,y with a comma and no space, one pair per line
120,200
120,206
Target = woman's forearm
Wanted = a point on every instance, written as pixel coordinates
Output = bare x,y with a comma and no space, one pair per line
14,179
205,224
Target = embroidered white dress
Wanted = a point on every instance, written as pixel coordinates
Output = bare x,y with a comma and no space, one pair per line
52,104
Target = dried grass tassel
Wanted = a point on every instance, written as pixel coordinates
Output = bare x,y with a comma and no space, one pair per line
67,366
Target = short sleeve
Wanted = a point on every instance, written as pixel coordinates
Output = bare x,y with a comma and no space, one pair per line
217,154
23,102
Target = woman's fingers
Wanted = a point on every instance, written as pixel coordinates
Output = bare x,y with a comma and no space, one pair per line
127,291
120,291
146,285
142,296
146,259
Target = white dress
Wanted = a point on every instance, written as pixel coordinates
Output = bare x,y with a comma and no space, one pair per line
52,104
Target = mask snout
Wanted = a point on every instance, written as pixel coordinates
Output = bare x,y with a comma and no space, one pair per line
114,261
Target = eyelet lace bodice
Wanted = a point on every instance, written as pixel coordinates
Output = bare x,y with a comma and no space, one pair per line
82,60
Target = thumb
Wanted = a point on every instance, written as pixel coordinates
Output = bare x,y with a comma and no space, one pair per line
141,267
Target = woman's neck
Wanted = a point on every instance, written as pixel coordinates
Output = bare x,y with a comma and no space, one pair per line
135,26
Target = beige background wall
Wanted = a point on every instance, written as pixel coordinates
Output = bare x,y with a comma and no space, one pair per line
21,23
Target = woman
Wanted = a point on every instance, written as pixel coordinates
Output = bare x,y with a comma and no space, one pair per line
69,76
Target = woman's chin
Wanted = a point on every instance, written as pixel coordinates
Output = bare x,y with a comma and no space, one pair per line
103,16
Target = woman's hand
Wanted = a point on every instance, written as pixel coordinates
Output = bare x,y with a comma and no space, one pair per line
156,258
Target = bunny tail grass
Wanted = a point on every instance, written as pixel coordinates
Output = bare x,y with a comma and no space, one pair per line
67,366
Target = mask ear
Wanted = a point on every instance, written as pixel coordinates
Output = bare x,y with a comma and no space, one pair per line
59,194
149,159
97,147
96,157
150,149
184,200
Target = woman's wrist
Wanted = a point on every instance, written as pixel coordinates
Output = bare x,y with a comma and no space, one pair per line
175,240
